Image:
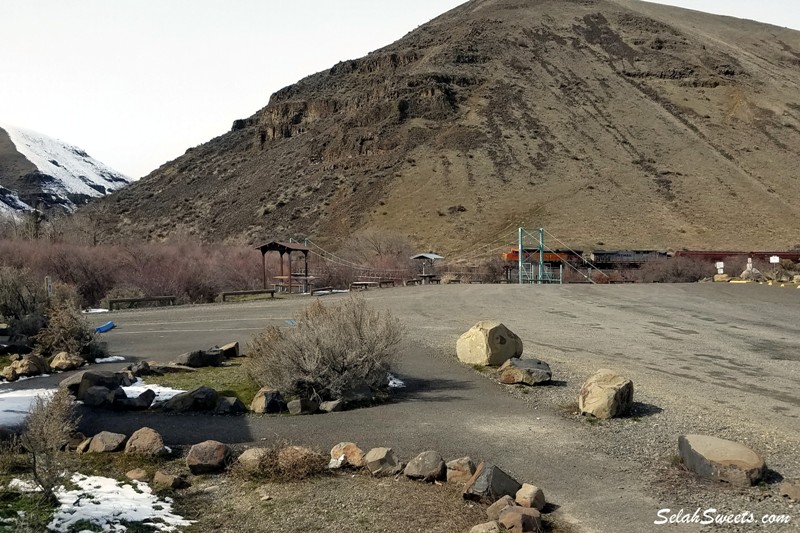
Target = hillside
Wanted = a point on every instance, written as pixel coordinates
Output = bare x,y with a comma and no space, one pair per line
607,121
37,171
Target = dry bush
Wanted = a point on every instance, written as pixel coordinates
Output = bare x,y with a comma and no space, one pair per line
65,295
47,431
333,351
12,459
676,270
285,462
21,294
66,331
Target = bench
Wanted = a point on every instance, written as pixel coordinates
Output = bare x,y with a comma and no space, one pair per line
385,282
363,285
414,281
115,302
435,280
321,289
226,294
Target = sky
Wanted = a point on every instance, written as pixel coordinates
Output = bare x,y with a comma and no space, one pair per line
137,82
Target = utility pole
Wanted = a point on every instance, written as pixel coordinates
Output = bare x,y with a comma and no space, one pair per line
541,254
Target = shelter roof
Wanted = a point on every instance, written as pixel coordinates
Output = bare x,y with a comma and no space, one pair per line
432,256
282,247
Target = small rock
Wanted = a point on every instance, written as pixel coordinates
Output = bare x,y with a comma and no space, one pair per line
382,462
162,479
250,459
460,470
106,441
720,459
63,361
721,278
353,455
489,484
530,496
145,441
521,520
606,394
790,490
137,474
208,457
83,447
230,350
228,405
427,466
494,510
303,406
331,406
488,527
142,368
488,343
268,401
527,371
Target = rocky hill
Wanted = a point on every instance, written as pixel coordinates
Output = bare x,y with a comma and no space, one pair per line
612,122
37,171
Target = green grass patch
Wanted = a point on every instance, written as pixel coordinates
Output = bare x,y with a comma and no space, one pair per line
5,360
230,380
116,465
36,512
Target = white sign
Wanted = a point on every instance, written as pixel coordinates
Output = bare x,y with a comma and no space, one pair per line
774,259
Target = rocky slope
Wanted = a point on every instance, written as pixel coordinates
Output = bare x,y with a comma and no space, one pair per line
610,122
37,171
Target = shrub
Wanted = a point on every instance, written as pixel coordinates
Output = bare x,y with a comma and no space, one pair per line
66,331
333,350
21,294
47,431
284,462
677,270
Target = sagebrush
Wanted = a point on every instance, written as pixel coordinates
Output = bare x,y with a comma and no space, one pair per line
48,427
67,331
332,351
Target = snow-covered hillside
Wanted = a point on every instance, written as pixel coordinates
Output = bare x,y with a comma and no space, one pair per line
67,176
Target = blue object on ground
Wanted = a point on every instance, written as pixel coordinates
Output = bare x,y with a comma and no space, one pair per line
108,326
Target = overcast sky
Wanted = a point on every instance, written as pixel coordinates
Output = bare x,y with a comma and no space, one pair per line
135,83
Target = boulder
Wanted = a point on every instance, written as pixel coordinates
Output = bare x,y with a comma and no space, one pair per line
230,350
169,481
146,441
83,447
721,278
66,361
521,520
229,405
332,406
208,457
268,401
527,371
96,396
382,462
142,368
75,440
27,366
353,455
487,527
488,484
138,474
199,399
488,343
460,470
790,490
93,378
201,358
303,406
106,441
720,459
530,496
427,466
9,373
606,394
140,403
494,510
250,459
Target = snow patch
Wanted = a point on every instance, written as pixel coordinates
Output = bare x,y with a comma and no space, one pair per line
110,359
108,503
395,383
92,311
162,393
15,405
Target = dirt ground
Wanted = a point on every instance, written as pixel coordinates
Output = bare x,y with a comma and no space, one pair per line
718,359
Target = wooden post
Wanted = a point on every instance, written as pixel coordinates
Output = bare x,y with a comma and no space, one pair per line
264,268
289,259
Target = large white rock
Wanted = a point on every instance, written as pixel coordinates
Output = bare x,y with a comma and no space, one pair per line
720,459
488,343
606,394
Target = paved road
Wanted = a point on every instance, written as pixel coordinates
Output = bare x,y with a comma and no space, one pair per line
698,348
